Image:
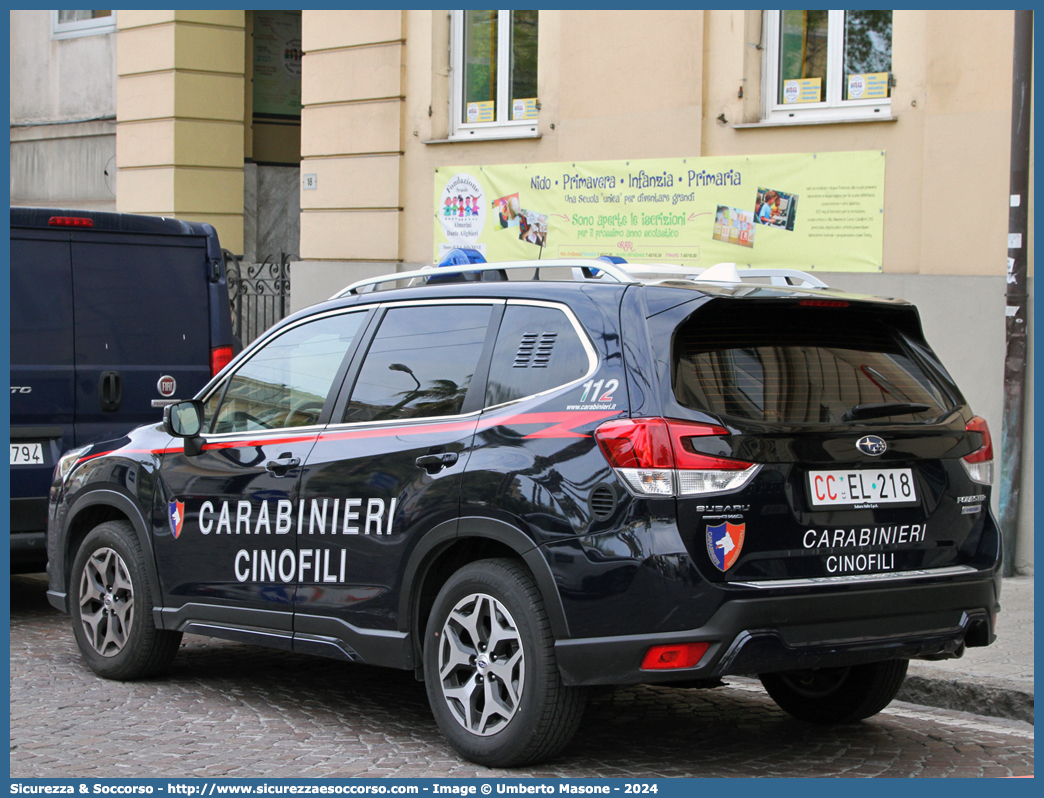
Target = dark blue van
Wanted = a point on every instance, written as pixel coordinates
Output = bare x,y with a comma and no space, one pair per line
113,316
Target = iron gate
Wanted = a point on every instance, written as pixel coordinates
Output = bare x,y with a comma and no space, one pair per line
260,294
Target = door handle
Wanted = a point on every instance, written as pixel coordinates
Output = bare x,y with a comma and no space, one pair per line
433,463
282,464
110,391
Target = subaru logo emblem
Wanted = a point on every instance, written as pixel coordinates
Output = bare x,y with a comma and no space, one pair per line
872,445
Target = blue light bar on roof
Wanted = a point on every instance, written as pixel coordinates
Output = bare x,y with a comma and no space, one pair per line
461,257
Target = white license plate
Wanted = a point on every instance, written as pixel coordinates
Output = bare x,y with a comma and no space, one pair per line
26,454
878,486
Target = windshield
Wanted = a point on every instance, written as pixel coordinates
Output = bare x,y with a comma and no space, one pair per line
793,364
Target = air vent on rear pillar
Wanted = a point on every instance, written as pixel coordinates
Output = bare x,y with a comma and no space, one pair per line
603,502
535,350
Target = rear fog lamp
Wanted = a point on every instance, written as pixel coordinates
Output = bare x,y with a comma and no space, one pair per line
679,655
979,464
656,457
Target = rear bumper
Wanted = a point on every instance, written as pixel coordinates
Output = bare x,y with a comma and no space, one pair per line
801,626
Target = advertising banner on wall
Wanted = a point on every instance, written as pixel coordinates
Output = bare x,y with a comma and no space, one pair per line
811,211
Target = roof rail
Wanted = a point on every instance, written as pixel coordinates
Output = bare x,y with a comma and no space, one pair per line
587,269
582,269
724,273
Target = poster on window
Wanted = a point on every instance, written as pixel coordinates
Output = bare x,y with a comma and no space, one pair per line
869,86
809,211
277,63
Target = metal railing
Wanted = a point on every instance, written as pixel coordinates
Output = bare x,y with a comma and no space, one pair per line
260,293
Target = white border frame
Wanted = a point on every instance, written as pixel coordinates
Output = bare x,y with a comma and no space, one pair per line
83,27
835,108
500,129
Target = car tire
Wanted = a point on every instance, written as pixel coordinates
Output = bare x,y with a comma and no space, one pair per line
498,699
837,695
111,607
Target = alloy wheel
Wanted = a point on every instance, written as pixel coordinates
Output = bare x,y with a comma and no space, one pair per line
482,664
106,602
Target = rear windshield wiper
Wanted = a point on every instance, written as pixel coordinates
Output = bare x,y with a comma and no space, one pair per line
880,409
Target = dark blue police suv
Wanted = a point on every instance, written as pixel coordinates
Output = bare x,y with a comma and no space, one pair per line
522,480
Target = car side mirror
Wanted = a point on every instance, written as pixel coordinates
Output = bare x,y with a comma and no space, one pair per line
185,420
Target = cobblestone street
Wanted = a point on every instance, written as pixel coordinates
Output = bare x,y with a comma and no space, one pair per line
228,710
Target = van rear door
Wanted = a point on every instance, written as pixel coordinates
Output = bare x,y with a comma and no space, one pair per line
41,378
142,307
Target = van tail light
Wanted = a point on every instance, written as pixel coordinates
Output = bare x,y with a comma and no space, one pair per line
655,457
220,356
979,464
70,221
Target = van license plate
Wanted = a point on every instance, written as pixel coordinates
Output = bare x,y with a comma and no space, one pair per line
881,486
26,454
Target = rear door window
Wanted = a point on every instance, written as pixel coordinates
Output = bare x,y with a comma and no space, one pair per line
420,363
792,364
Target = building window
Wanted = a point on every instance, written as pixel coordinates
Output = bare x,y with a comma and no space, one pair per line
70,24
827,65
494,74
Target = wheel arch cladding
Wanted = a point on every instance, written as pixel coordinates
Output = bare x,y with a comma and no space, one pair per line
451,546
97,507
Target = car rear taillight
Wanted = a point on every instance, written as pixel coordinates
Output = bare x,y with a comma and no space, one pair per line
70,221
979,464
656,457
220,356
639,449
679,655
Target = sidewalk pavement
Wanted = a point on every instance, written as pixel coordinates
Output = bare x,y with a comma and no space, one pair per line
996,680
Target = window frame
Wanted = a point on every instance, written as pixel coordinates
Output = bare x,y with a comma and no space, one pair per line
359,351
498,129
834,108
82,27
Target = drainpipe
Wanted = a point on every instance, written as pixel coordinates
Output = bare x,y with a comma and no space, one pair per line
1015,312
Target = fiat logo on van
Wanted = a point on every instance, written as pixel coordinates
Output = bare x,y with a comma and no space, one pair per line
872,445
166,386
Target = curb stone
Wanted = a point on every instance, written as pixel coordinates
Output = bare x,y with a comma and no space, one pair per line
999,698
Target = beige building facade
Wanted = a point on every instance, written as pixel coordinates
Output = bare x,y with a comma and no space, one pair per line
385,98
379,118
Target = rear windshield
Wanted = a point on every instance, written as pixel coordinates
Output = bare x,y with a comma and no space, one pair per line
792,364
